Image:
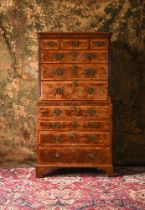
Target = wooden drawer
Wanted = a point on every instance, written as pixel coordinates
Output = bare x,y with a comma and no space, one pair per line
77,111
49,44
73,71
72,44
99,44
88,155
74,124
74,56
74,90
74,137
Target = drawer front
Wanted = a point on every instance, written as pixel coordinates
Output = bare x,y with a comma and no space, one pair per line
64,112
75,90
74,137
73,71
77,155
74,56
74,124
72,44
99,44
49,44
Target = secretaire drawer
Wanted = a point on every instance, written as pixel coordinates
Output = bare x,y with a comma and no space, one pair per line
74,90
99,44
74,56
58,155
74,71
74,124
74,137
72,44
49,44
77,111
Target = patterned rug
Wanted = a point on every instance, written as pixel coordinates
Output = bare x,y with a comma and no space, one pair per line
72,190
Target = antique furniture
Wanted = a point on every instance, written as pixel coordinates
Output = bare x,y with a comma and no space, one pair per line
74,111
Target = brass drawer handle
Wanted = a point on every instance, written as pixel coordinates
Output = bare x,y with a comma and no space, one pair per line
91,137
58,56
59,90
58,72
50,44
57,111
56,138
90,72
91,111
74,124
57,125
57,155
91,125
90,90
90,56
75,43
99,43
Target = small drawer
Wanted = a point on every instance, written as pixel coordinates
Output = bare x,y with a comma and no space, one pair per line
85,156
72,44
74,137
99,44
102,124
49,44
74,90
76,71
77,111
74,56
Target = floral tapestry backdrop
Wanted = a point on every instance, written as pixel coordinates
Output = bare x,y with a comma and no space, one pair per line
19,23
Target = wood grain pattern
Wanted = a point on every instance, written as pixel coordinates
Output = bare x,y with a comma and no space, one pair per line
74,112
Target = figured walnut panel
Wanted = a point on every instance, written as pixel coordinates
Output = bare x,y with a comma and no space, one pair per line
74,56
74,137
74,90
74,71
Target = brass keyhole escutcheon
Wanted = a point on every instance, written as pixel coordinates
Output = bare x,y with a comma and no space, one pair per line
56,138
74,54
58,56
58,72
91,155
74,69
90,72
90,90
74,84
74,136
74,124
57,155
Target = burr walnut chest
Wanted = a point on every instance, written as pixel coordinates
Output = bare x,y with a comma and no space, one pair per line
74,111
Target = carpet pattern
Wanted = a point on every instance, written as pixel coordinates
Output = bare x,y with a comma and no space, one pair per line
72,190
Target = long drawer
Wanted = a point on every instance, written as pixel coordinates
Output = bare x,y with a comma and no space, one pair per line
74,90
77,111
74,137
82,155
102,124
74,71
65,56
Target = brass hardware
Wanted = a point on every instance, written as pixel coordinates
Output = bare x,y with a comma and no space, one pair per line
50,44
91,137
74,69
91,155
90,90
99,43
90,72
90,55
57,125
73,136
57,111
91,111
56,138
59,90
58,72
92,125
58,56
75,43
74,54
57,155
74,124
74,109
74,84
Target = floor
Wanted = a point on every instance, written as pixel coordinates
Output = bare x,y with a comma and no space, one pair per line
73,189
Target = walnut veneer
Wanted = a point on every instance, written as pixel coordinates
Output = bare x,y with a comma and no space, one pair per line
74,111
